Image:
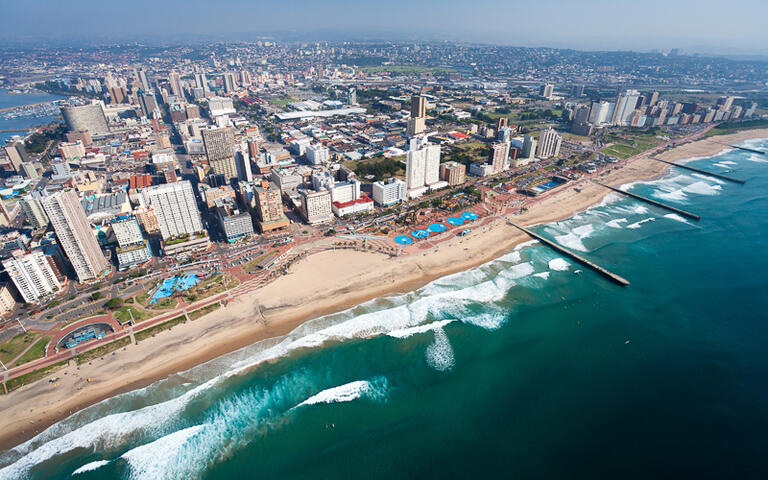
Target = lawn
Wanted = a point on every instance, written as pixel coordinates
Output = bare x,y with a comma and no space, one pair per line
280,101
103,350
149,332
30,377
123,314
203,311
621,149
37,351
13,347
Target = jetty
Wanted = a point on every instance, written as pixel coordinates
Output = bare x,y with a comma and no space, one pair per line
579,259
746,149
650,201
703,172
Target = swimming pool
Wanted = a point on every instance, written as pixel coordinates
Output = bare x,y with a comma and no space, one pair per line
455,220
420,233
177,283
546,186
470,216
436,227
403,240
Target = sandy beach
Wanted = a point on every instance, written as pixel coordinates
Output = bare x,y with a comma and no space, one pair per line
319,284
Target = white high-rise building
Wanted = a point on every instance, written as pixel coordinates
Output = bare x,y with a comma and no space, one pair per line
132,248
626,103
175,207
601,113
74,234
32,275
549,143
422,167
175,80
317,154
389,193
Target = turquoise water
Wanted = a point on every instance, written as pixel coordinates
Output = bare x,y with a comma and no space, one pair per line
177,283
525,367
8,100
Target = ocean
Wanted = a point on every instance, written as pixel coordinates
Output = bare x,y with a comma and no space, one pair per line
528,366
8,100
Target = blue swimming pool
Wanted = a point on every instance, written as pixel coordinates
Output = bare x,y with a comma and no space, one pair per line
455,220
177,283
436,227
420,233
403,240
470,216
546,186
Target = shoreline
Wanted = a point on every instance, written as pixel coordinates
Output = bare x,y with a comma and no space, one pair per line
287,303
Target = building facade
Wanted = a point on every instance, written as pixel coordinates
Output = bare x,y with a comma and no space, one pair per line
74,234
32,275
175,206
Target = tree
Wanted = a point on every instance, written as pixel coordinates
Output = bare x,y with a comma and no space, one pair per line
114,303
96,295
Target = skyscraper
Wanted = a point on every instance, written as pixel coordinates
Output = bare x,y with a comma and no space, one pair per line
74,234
547,91
422,166
144,80
229,82
32,275
549,143
175,207
417,123
201,81
499,157
219,148
175,80
418,106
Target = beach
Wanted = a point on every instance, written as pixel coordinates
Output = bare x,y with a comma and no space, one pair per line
319,284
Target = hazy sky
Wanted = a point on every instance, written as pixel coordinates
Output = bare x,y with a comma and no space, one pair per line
729,26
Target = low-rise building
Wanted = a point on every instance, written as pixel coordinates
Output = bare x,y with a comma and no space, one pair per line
453,172
235,224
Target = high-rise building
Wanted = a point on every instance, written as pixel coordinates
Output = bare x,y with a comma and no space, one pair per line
7,302
269,207
144,80
132,248
16,153
316,206
418,106
148,104
499,157
32,275
229,82
601,112
422,166
243,164
317,154
175,207
74,234
88,118
547,91
175,80
34,212
626,103
577,91
219,148
201,81
654,98
549,143
390,192
529,147
502,123
453,172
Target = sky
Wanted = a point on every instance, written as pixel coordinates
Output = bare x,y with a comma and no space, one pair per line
734,26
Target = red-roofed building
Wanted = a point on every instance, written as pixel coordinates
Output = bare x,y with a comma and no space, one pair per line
362,204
